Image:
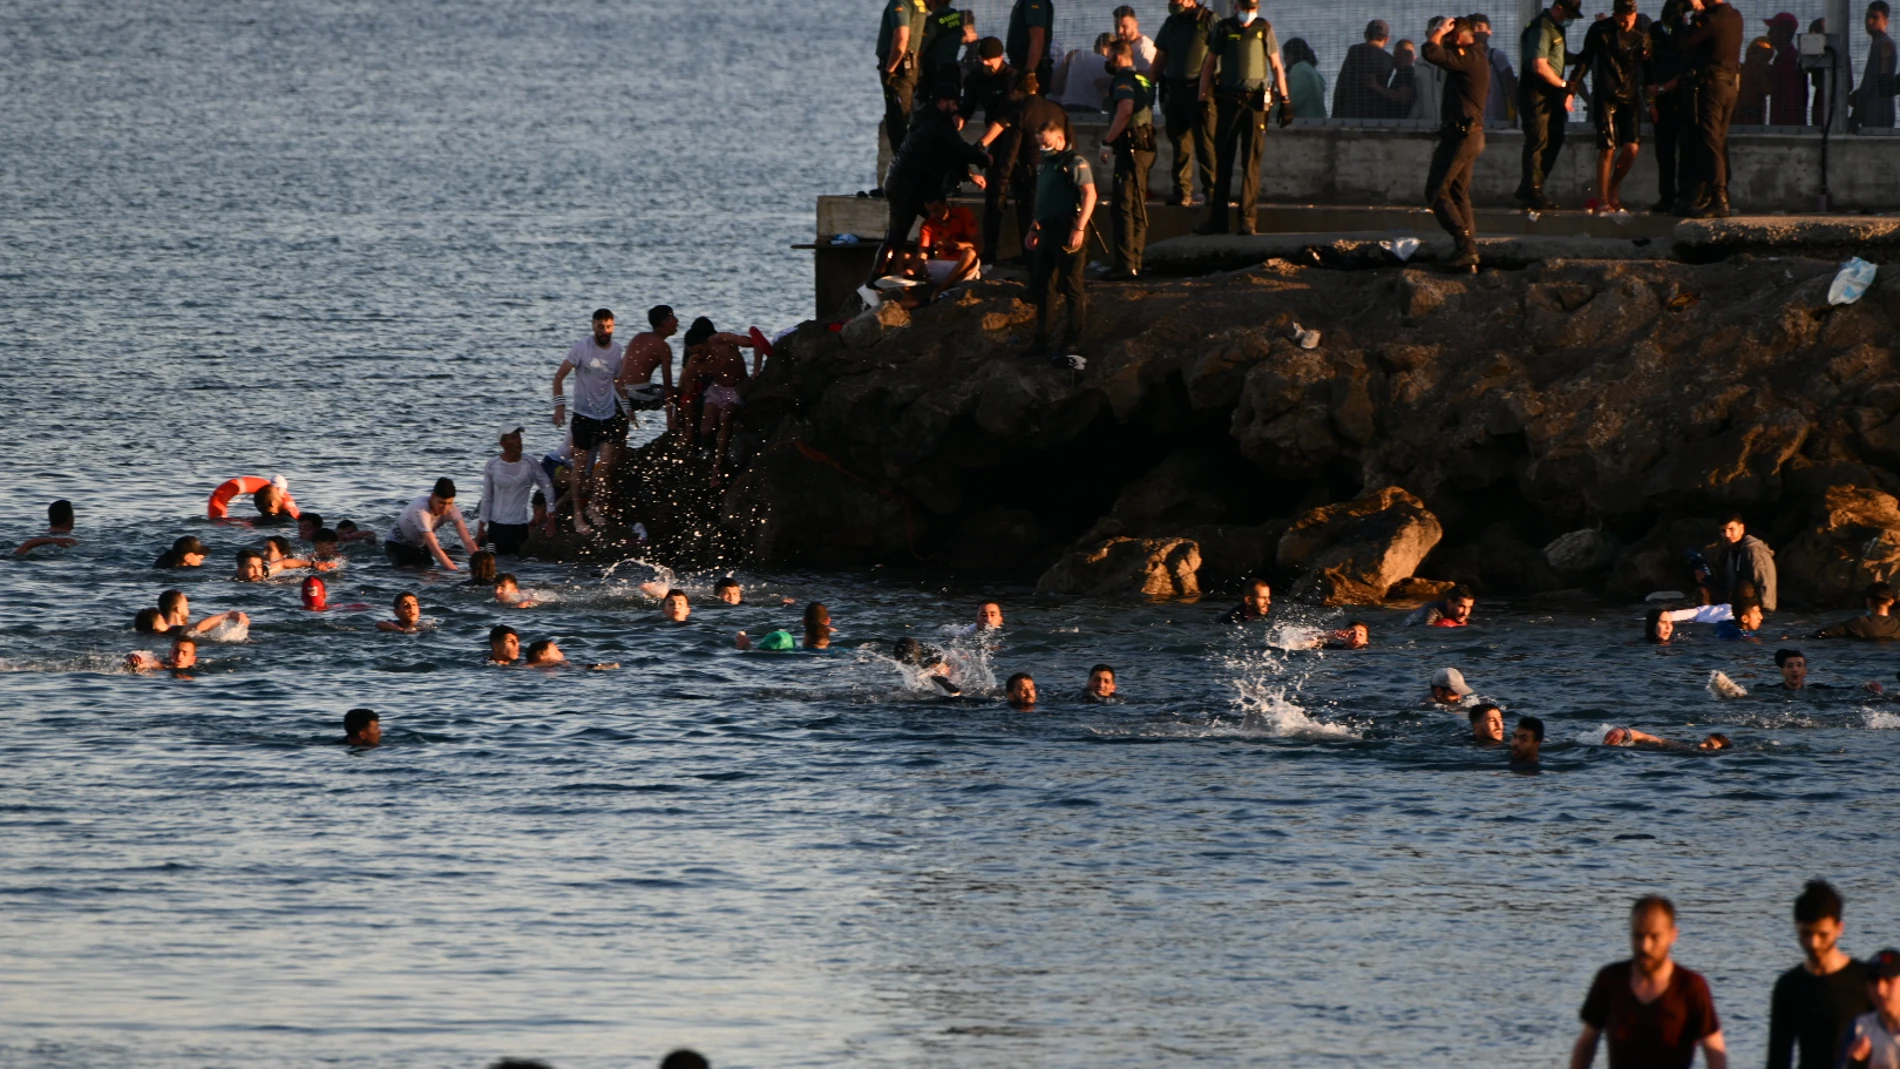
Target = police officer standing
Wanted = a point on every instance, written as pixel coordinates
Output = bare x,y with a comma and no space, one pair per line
1452,47
994,89
1131,137
1712,50
1244,52
1031,30
939,57
1180,53
1663,85
1543,98
934,158
1065,200
899,37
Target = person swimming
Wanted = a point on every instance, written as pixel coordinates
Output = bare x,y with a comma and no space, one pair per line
184,654
1021,692
543,653
1453,610
1527,744
1619,736
1256,601
325,545
729,591
1354,636
280,556
817,626
59,530
989,616
362,728
504,645
481,568
1449,687
186,552
675,607
316,597
508,592
174,615
251,567
1487,724
1101,684
929,660
1746,621
408,619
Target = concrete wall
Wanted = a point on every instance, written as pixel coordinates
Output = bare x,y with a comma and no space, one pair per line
1773,169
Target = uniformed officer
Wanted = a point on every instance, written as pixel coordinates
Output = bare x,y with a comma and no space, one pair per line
1543,98
1131,137
1453,47
1712,50
1031,32
899,36
1065,200
945,33
1244,53
933,159
1180,52
994,89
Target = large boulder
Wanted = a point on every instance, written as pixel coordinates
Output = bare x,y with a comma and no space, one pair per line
1353,552
1155,567
1855,542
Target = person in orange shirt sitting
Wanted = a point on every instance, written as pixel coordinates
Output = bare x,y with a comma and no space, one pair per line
946,247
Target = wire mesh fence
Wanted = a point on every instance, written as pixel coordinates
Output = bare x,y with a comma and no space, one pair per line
1330,29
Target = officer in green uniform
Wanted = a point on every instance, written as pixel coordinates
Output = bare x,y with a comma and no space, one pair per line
1065,199
1131,136
1242,56
899,37
1031,32
944,38
1180,52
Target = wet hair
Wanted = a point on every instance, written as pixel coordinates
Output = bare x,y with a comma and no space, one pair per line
1743,606
314,519
1020,677
444,488
603,313
817,622
346,526
499,632
1296,50
701,329
538,647
1649,902
1478,711
324,534
1460,592
262,495
507,577
60,513
182,639
658,314
908,650
170,600
1782,656
248,554
1818,901
356,720
146,622
728,583
1533,725
281,545
1256,582
1359,623
1651,622
1880,592
1722,742
685,1059
397,600
481,566
674,593
1102,668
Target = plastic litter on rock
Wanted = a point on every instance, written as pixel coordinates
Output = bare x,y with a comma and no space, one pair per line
1307,339
870,297
845,239
1403,248
1851,282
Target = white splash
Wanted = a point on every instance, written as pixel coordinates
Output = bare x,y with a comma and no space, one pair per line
1266,710
1879,720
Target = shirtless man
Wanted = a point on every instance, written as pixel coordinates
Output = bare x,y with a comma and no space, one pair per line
1632,737
714,357
504,645
599,425
646,352
362,728
545,654
59,529
174,614
1101,685
184,654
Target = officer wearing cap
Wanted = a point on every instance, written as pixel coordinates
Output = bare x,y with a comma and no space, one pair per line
899,36
1543,98
946,31
933,159
993,89
1180,52
1131,137
1242,56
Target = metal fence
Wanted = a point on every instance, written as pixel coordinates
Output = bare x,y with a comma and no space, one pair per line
1330,29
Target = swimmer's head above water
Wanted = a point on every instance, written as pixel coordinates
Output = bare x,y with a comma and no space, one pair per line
989,615
1021,691
1794,668
184,652
270,501
504,645
408,609
1449,686
1257,598
362,727
1101,686
728,591
1527,740
1487,723
316,598
250,566
817,626
1749,615
1658,628
544,652
675,607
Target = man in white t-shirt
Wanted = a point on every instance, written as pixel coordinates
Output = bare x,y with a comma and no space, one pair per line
508,485
413,544
600,425
1128,28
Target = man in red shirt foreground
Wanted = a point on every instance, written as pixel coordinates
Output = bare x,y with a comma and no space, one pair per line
1653,1012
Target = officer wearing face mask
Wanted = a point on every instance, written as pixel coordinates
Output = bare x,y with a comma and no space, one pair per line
1242,75
1131,137
1180,52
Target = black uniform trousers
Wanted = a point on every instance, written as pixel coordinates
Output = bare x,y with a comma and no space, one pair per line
1448,186
1666,132
1189,122
900,92
1240,137
906,199
1001,185
1543,117
1131,197
1057,273
1714,107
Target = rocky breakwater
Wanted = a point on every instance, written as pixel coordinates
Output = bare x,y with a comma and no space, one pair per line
1574,424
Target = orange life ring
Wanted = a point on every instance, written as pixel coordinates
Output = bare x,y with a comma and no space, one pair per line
220,503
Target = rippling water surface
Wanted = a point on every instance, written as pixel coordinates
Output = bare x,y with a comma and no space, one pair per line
344,242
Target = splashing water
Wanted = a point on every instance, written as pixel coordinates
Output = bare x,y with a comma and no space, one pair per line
1879,720
1295,636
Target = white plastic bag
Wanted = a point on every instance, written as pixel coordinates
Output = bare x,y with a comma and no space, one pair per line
1403,248
1852,281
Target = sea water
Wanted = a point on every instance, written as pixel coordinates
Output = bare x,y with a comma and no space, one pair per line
346,242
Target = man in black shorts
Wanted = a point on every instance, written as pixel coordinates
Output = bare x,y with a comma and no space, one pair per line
599,424
1615,52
